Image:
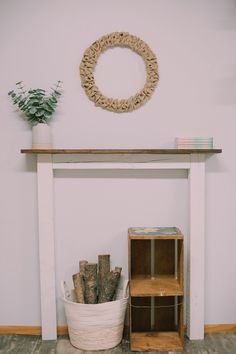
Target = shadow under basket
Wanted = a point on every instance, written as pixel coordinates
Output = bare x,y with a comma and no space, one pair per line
95,326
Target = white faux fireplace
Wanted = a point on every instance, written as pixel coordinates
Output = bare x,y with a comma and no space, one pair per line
192,160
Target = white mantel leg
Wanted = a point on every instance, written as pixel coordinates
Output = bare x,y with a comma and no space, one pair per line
46,246
196,249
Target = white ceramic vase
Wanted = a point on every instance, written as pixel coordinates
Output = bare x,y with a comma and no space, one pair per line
41,136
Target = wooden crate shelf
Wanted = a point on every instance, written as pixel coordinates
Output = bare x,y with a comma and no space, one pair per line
150,341
164,285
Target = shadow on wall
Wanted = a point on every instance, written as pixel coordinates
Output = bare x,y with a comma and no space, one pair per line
228,15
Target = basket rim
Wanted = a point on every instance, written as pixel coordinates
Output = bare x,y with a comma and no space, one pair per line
91,305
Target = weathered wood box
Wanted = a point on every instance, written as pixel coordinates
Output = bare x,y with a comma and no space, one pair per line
156,275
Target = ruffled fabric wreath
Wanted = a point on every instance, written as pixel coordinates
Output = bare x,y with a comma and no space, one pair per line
89,61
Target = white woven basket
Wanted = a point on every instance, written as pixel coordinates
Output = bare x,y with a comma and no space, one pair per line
95,326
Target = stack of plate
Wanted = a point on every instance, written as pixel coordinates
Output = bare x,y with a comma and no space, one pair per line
194,143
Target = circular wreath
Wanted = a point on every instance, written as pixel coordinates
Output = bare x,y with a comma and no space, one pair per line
89,61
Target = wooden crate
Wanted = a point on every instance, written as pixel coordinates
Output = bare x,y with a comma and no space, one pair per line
156,274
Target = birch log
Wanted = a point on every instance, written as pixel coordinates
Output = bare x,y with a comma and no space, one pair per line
103,269
82,267
90,282
109,286
79,287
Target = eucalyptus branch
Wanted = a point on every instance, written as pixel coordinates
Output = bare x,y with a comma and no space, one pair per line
37,105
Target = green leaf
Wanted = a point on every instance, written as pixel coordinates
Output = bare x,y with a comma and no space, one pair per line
33,110
34,123
47,108
37,92
16,100
53,99
57,92
33,102
19,97
47,115
39,113
21,104
50,104
30,116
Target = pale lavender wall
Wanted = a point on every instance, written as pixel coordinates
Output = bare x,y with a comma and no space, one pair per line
44,41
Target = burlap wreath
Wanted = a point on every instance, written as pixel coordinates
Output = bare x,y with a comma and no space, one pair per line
89,61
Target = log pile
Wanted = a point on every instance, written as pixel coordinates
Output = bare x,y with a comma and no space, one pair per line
96,282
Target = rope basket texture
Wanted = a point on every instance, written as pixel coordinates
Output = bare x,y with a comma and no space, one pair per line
95,326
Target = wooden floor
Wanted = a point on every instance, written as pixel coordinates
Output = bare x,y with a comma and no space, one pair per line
214,343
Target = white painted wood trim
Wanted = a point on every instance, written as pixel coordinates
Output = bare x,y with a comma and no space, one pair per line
46,246
121,166
196,167
196,249
120,158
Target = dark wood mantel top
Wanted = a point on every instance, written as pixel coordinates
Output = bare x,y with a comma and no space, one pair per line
121,151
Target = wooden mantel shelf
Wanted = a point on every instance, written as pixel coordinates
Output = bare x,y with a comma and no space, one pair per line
121,151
